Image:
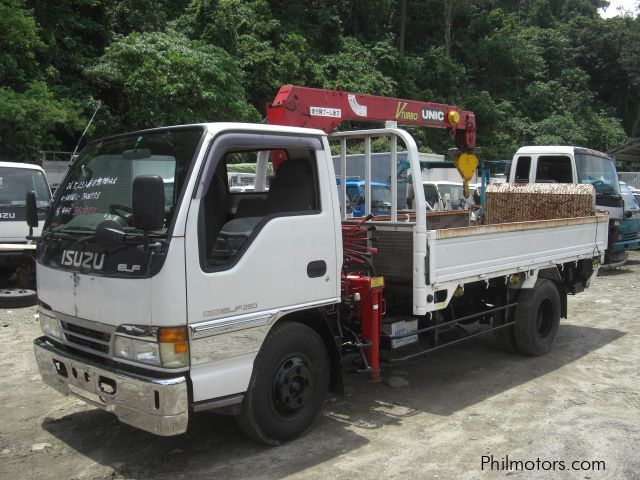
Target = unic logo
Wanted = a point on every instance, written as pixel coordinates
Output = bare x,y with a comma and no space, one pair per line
432,114
403,114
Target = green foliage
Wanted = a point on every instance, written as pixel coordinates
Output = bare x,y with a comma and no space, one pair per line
165,78
74,32
507,62
355,68
533,71
439,78
19,43
127,16
28,121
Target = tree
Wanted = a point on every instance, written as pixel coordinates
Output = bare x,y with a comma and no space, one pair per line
154,79
33,120
355,68
448,18
19,43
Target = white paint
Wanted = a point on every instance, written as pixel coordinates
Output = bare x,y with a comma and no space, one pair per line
325,112
360,110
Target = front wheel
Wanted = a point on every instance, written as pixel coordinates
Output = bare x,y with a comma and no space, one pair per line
537,318
288,386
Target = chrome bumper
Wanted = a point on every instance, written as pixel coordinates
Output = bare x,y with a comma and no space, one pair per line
159,406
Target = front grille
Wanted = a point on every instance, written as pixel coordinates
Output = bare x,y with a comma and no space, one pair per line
87,332
87,343
87,339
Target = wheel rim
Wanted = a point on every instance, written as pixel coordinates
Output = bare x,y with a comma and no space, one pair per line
544,323
292,386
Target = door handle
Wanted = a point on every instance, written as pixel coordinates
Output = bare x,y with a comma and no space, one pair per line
316,269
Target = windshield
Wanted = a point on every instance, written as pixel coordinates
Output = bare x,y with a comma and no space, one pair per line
99,184
380,196
16,182
629,199
455,193
599,172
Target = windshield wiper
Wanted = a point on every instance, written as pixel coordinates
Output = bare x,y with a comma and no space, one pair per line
612,194
69,233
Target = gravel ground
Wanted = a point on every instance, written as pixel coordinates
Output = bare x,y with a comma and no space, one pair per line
444,414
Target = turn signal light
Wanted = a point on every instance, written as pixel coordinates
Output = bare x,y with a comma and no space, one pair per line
172,334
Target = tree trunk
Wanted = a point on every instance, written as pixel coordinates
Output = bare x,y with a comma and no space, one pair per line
448,11
403,21
635,130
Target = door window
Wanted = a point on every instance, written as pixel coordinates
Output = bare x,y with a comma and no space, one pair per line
232,212
431,196
523,165
554,169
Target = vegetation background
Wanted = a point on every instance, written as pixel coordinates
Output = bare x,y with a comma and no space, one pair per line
533,71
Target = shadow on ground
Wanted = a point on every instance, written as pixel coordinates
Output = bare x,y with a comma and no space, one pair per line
440,384
615,272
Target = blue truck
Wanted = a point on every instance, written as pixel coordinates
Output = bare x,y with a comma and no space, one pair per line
380,197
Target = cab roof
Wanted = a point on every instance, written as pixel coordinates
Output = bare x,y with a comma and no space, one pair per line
27,166
559,149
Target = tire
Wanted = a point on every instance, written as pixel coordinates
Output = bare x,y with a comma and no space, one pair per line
288,385
17,297
537,318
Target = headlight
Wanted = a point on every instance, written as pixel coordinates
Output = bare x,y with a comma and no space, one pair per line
51,327
136,350
162,347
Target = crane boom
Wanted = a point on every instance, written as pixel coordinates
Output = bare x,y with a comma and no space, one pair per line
325,109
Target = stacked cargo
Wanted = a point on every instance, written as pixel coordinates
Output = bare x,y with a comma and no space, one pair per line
508,203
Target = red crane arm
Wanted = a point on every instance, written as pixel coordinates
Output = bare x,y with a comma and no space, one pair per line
326,109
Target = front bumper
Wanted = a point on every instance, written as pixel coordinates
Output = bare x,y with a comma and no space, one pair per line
624,245
159,406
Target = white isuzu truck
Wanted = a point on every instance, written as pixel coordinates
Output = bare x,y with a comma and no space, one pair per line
159,302
16,251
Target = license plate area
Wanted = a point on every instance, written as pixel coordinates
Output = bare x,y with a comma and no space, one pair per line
84,383
89,397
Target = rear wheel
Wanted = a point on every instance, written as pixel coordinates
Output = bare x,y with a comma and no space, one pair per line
288,386
537,318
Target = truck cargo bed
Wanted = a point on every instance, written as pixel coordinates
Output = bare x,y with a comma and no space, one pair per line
466,254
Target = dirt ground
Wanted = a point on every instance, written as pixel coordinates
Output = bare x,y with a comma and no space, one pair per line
451,410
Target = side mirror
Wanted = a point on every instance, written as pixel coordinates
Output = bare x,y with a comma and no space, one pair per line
628,214
32,210
147,201
109,234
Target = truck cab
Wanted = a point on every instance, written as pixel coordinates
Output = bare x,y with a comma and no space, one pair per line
16,252
380,197
150,317
444,195
629,231
16,179
568,164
